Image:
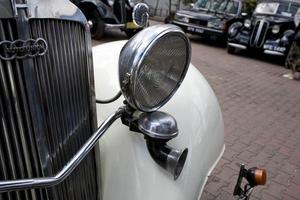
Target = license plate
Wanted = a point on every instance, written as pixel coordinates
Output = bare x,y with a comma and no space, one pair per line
131,25
274,48
196,30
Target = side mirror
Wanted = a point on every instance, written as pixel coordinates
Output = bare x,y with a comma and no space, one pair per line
244,14
140,14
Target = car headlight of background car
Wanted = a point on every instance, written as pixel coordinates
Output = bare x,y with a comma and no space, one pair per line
218,24
275,29
233,29
182,18
247,23
152,66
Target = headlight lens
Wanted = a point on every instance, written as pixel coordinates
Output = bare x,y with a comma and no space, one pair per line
182,18
140,15
152,66
247,23
216,24
111,2
275,29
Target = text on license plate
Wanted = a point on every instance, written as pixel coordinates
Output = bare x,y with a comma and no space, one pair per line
196,30
274,48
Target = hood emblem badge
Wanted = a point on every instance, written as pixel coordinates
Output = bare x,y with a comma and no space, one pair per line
20,49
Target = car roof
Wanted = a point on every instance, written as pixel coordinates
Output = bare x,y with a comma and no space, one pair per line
280,1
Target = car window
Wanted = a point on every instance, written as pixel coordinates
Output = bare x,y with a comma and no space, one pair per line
203,4
229,6
267,8
288,9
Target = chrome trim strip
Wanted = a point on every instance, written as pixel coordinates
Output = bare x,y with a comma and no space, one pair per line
239,46
265,33
23,184
261,24
114,26
273,53
184,15
201,27
252,42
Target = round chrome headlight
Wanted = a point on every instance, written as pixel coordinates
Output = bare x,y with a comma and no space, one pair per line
247,23
152,66
275,29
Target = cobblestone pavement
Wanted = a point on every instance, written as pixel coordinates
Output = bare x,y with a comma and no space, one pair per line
261,111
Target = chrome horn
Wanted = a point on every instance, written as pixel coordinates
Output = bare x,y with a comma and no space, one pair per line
159,128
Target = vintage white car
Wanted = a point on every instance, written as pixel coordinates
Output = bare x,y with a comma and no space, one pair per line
67,133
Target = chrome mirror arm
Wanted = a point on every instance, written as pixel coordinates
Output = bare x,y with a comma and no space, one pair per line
32,183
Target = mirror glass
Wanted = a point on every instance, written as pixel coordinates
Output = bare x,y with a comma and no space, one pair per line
140,14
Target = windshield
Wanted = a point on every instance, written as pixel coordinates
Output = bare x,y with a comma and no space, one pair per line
228,6
284,9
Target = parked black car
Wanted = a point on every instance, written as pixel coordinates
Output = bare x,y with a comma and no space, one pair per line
271,28
211,17
108,14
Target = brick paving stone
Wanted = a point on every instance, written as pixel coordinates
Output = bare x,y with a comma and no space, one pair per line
294,191
296,178
261,112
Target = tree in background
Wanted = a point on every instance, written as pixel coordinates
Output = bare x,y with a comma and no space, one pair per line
249,6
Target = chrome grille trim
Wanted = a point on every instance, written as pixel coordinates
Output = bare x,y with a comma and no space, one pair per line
261,40
259,32
63,81
18,153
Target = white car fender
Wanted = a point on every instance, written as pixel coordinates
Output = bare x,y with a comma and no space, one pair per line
127,170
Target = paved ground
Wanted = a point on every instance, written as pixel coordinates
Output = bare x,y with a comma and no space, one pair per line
261,111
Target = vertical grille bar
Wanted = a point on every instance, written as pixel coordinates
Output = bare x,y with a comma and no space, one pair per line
254,34
62,82
264,30
17,150
64,87
259,33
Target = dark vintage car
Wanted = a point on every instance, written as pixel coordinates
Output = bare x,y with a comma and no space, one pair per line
108,14
270,30
211,17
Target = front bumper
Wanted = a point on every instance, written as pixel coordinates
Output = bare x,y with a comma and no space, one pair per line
270,47
195,29
275,47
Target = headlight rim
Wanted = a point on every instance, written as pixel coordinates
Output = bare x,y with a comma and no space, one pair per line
276,27
137,58
249,23
146,52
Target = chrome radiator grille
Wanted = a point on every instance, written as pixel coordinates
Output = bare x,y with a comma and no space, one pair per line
38,138
259,33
